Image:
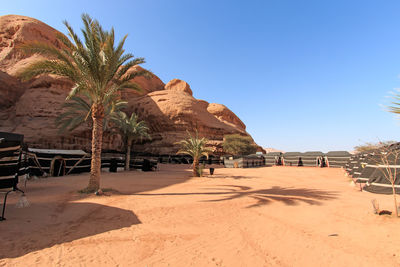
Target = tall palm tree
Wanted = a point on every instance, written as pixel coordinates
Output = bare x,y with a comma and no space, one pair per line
194,147
129,128
97,68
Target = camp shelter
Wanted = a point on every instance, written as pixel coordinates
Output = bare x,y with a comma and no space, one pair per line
348,167
337,159
144,164
313,158
379,180
379,184
354,164
359,165
233,163
273,158
58,162
248,161
112,161
365,167
254,160
10,160
292,159
174,159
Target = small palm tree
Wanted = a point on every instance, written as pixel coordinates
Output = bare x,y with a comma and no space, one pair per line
129,128
195,147
97,68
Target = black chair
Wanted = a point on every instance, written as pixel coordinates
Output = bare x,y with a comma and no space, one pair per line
10,160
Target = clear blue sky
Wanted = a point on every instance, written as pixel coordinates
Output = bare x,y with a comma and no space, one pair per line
302,75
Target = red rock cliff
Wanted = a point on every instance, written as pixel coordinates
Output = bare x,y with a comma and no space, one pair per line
30,108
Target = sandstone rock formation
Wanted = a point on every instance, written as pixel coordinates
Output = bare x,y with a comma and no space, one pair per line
171,113
30,108
178,85
16,30
225,115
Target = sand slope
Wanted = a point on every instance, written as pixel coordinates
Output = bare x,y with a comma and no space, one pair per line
277,216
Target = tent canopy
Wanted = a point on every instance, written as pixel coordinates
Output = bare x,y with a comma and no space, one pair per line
57,151
273,154
292,154
313,153
338,154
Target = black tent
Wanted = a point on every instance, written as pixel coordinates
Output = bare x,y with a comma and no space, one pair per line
367,167
313,158
359,165
248,161
337,159
273,158
353,166
382,166
379,182
58,162
10,160
292,159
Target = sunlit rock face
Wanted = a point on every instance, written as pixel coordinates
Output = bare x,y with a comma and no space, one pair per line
30,108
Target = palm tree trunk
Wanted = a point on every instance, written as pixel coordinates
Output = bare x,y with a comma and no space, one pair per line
97,141
128,154
195,167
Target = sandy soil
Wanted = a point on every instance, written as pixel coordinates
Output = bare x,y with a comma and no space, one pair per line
272,216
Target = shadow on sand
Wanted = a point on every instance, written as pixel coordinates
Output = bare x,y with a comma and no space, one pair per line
289,196
70,222
236,177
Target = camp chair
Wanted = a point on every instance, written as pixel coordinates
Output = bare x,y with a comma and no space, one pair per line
10,159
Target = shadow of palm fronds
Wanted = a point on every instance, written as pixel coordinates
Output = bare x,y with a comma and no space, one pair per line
288,196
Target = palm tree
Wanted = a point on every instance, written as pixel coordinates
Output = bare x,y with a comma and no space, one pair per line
97,67
129,128
195,147
396,103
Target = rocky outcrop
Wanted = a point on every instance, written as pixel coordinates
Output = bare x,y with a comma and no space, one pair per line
30,108
10,90
16,30
171,113
225,115
179,86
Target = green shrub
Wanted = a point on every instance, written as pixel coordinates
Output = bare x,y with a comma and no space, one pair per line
237,144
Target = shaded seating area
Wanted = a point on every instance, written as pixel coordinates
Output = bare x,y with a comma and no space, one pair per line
57,162
143,164
114,162
10,160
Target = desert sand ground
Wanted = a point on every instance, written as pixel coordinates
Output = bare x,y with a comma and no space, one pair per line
271,216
